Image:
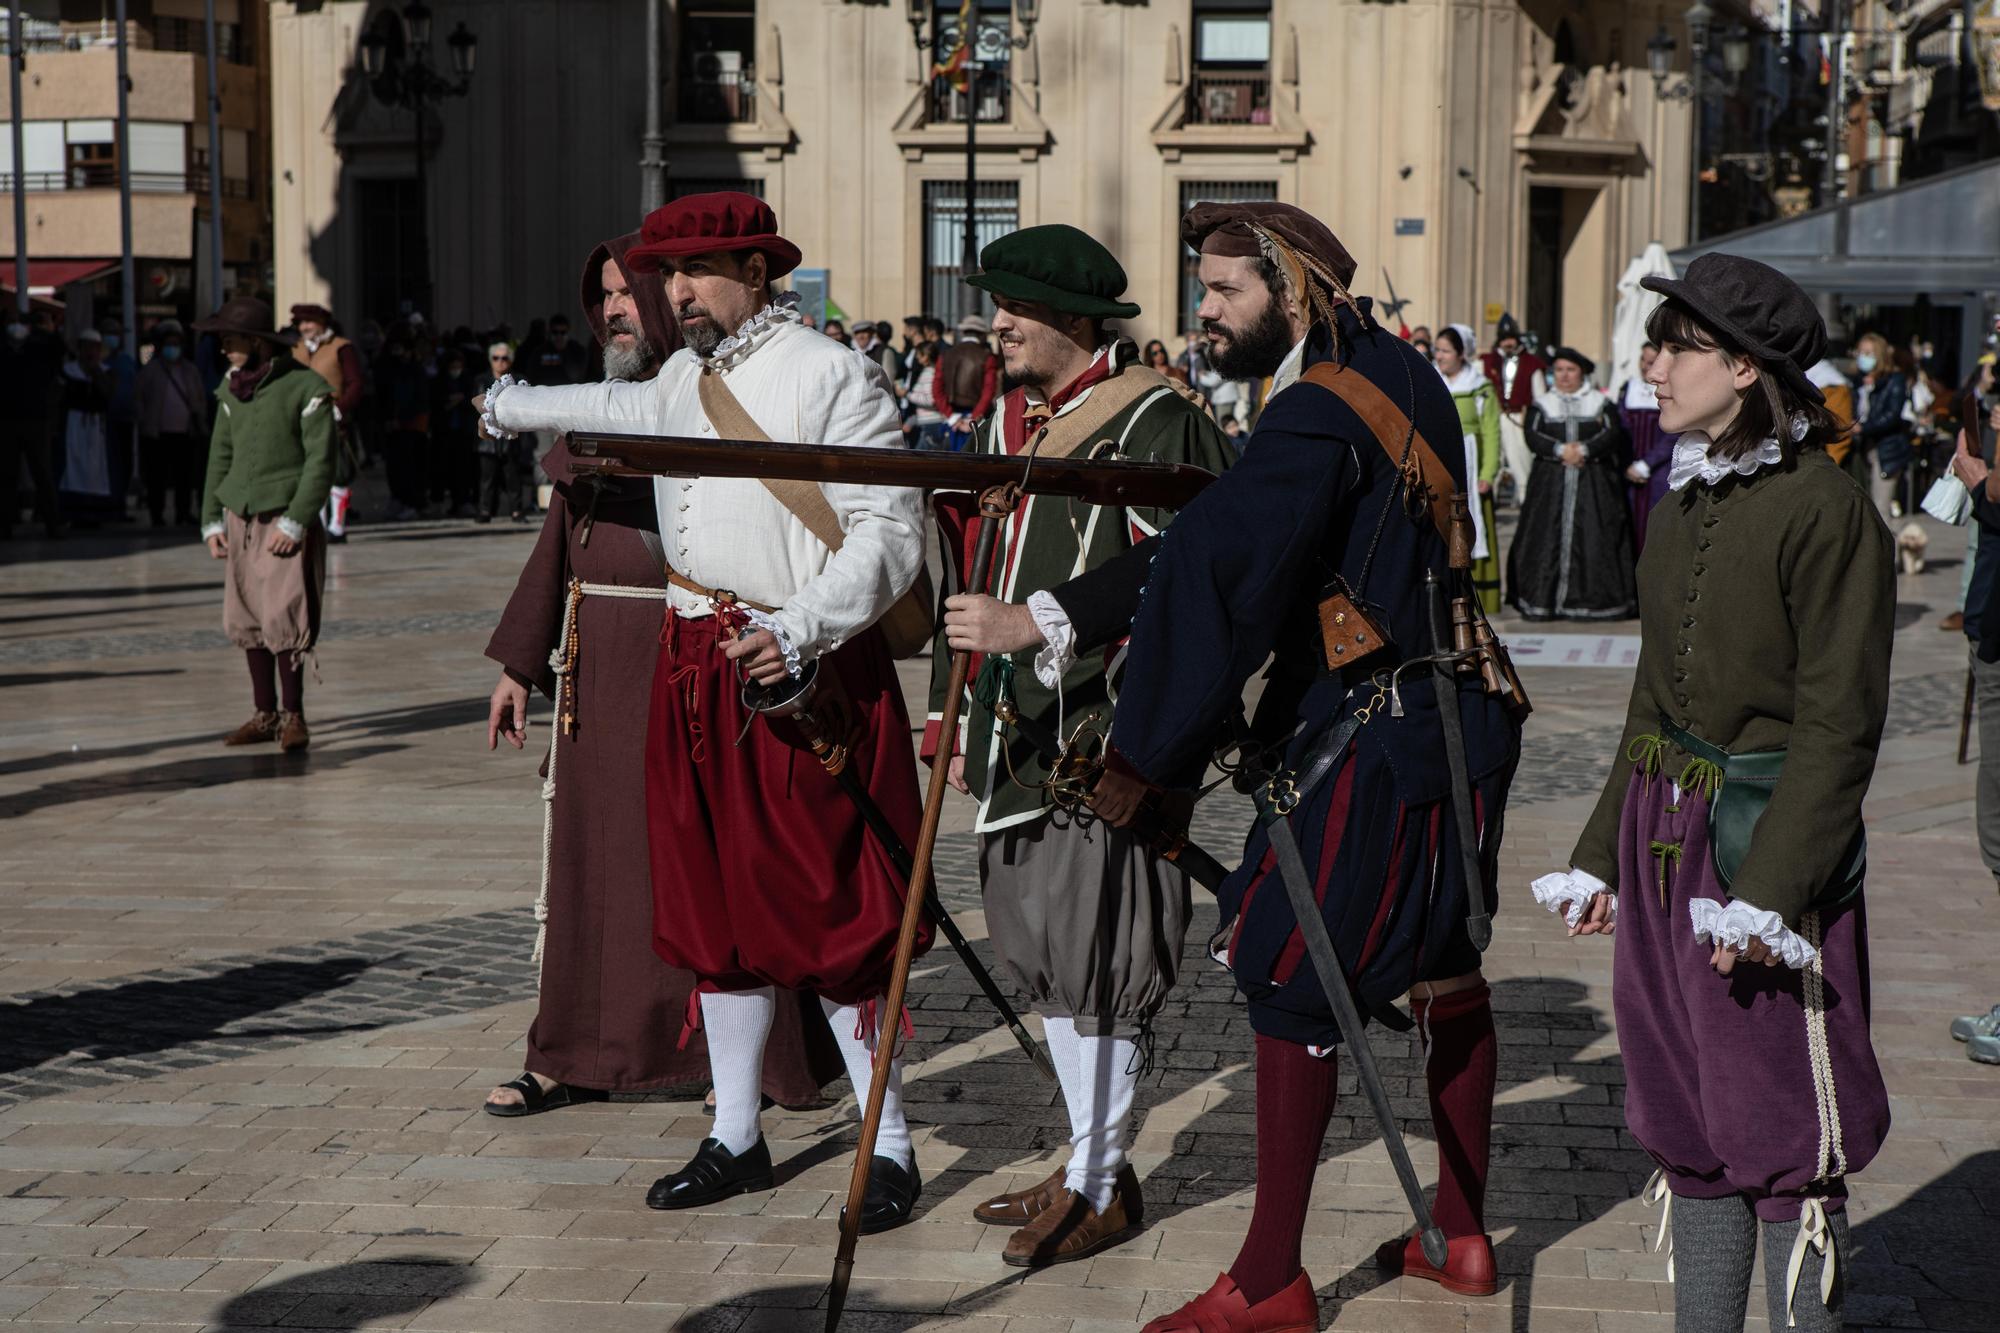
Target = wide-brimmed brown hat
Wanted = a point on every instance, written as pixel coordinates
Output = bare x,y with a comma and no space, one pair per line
248,316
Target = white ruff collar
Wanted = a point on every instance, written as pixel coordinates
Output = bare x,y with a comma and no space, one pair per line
1692,463
757,330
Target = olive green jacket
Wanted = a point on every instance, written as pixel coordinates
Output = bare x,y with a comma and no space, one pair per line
1767,607
275,452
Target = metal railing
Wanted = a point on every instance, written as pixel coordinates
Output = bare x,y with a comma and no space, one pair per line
725,102
1229,99
104,176
947,105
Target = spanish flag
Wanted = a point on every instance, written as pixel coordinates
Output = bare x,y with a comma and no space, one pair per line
953,66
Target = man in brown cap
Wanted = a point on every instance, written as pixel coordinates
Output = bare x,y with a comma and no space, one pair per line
1317,510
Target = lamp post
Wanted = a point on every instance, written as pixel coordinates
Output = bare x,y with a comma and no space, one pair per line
17,56
401,74
1700,19
1026,14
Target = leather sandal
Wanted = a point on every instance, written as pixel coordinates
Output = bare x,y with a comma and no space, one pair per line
535,1099
1070,1229
1022,1206
1468,1266
713,1175
1223,1308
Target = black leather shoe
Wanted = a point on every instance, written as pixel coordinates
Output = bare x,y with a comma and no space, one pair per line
715,1173
892,1194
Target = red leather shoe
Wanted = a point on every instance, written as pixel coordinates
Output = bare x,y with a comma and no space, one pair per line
1468,1264
1224,1309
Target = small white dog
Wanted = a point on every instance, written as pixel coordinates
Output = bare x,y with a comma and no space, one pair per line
1910,546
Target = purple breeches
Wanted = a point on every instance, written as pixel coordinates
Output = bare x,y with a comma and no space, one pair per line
1761,1083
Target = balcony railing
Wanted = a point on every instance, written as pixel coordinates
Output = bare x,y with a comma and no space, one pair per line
101,176
1229,99
232,43
727,101
947,105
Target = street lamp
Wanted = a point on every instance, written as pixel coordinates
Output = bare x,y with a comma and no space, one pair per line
401,73
1026,14
1700,20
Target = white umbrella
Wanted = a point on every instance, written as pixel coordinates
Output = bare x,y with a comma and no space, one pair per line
1635,303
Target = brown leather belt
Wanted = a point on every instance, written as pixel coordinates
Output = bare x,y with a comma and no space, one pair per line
717,596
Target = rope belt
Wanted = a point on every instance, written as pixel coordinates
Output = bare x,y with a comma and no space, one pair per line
563,662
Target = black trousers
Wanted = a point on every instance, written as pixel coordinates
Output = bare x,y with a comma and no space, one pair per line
407,467
171,464
502,478
25,440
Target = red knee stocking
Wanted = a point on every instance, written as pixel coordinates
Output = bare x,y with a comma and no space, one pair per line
1459,1065
1295,1093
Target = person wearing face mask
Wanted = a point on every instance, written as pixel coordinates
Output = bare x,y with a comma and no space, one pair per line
1729,832
86,473
121,416
173,423
1881,432
30,361
338,362
270,466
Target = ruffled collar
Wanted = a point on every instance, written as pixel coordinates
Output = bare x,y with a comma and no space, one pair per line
756,331
1692,463
1585,402
1467,380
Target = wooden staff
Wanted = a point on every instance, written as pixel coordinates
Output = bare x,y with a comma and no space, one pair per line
995,504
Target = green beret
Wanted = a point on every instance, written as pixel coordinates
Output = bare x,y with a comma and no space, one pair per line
1058,266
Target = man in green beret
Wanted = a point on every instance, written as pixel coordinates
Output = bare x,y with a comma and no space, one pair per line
1086,919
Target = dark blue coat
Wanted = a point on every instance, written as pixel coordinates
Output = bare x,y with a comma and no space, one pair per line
1237,579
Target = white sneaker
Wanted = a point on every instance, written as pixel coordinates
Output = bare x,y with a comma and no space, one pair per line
1986,1050
1977,1025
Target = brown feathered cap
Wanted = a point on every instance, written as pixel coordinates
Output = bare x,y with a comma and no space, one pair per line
1231,230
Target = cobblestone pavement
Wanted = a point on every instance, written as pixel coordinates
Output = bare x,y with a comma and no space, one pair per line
249,1007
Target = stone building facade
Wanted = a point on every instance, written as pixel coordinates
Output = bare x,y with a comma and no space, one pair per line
1476,155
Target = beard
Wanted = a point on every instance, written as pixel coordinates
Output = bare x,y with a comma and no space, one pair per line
629,356
1252,352
704,337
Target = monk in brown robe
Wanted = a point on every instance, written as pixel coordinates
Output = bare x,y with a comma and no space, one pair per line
583,628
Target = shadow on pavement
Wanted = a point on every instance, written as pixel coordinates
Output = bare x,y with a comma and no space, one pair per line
187,775
112,592
349,1296
1928,1261
143,1017
77,677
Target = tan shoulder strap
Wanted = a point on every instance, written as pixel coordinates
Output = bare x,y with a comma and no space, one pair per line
1440,493
725,411
1071,431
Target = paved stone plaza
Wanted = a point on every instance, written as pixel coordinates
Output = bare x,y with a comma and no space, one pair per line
250,1005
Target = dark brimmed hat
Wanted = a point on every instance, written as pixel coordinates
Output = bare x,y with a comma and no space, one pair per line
703,223
244,315
1571,354
1758,309
318,314
1506,329
1059,266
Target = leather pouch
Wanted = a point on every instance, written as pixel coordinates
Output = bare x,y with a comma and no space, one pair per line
1747,783
1348,634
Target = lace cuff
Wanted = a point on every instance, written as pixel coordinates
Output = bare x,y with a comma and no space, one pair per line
296,531
1058,654
767,621
1643,468
213,530
1738,923
1569,892
490,419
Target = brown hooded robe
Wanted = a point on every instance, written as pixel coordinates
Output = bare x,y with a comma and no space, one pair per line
610,1009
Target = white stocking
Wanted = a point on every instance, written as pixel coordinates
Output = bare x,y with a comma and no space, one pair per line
738,1024
1101,1111
1060,1029
892,1139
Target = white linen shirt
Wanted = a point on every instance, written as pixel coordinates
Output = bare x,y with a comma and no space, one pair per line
801,387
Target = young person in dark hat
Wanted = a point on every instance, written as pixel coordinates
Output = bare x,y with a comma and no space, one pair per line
1572,552
764,876
1228,585
270,465
338,362
1726,849
1519,377
1088,921
593,585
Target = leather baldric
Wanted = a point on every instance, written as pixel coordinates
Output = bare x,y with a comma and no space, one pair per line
1432,482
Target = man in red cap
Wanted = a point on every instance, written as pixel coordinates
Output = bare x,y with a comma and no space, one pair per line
748,902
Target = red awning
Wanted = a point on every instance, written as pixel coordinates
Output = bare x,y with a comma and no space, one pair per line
48,276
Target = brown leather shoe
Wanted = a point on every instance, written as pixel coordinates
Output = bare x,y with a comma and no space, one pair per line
1070,1229
292,733
260,727
1022,1206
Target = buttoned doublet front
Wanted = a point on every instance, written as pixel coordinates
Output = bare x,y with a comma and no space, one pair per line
763,872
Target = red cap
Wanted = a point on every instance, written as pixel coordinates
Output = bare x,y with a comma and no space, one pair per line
703,223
